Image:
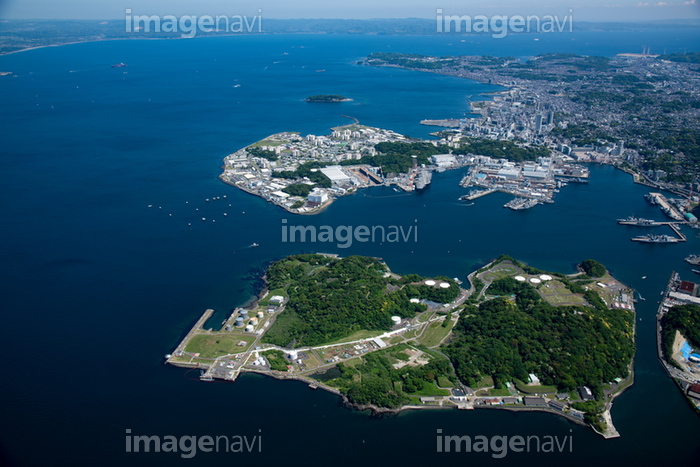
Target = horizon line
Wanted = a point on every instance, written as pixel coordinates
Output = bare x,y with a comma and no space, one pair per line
636,21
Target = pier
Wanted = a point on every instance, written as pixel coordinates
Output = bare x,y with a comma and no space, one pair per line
677,230
180,350
651,238
474,194
447,122
666,207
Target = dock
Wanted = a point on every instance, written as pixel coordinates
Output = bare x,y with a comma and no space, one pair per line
677,230
474,194
447,122
666,207
651,238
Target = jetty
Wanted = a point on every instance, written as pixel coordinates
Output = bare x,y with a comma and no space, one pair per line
474,194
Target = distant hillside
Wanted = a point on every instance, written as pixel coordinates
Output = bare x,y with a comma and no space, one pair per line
22,34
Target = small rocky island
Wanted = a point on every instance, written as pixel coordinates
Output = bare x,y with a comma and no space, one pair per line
327,98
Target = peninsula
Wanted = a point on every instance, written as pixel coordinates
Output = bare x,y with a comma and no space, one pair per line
387,342
305,174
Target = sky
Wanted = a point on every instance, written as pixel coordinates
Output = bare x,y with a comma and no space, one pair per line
582,10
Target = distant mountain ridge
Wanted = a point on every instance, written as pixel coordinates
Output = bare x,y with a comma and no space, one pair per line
23,34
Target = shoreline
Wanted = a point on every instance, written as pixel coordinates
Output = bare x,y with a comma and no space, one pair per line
316,210
659,346
86,41
380,411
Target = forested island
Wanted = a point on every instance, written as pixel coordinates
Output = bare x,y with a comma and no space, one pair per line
517,338
327,98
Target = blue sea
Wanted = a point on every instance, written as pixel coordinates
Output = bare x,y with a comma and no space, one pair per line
97,286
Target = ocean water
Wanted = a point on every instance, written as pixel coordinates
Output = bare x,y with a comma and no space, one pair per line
97,286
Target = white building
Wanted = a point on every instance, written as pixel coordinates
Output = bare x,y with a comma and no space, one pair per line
335,173
444,160
318,196
509,172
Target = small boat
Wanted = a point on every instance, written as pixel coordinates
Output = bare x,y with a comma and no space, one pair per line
254,245
644,277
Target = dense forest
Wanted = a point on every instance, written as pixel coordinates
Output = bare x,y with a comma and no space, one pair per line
683,318
565,346
332,298
260,152
298,189
502,150
593,268
376,381
397,157
306,170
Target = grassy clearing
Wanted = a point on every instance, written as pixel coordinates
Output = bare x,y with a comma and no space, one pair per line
353,362
312,361
216,345
556,293
499,273
277,360
485,382
425,316
499,392
356,337
444,382
522,387
266,142
431,389
435,333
